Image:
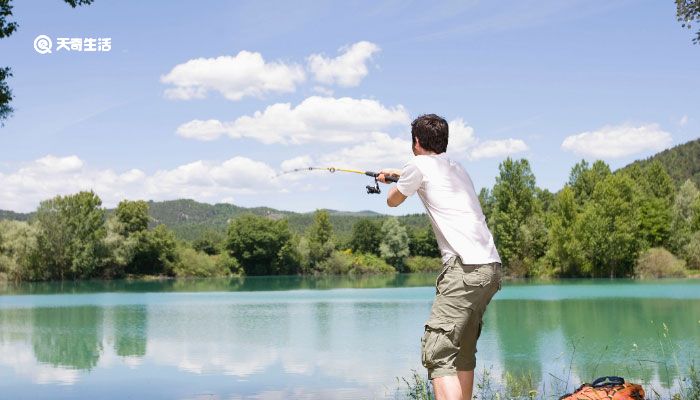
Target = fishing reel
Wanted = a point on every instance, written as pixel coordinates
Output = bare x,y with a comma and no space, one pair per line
374,189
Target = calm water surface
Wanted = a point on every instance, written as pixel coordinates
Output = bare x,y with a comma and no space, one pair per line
327,338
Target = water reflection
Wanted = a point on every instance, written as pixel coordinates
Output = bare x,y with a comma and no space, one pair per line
248,284
68,337
130,330
342,343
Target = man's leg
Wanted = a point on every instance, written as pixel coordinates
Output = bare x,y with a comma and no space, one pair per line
454,387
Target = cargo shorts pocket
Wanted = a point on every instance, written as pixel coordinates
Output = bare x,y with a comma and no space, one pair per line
439,278
437,344
479,277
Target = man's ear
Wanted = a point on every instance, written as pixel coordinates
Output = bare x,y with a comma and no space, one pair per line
416,143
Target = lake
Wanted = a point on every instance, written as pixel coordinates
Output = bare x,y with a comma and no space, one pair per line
325,338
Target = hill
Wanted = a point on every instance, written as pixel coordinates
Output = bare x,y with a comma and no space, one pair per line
189,219
15,216
682,162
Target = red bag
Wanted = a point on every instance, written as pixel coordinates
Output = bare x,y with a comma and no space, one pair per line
607,388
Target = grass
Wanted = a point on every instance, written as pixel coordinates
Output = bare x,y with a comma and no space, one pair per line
524,387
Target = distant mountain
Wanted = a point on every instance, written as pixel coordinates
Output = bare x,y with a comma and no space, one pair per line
682,162
14,215
189,219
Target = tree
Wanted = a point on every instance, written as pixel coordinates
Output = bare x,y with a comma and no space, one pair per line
422,242
320,235
655,191
513,203
564,251
155,251
210,242
7,28
394,245
608,228
133,216
695,220
486,201
583,178
682,216
261,245
5,95
688,12
17,243
366,236
70,236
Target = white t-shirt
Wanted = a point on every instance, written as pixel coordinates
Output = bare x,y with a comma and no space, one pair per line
447,192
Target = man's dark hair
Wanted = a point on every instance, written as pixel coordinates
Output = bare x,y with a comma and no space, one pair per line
432,132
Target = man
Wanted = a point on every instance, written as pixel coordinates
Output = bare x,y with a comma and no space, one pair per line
471,266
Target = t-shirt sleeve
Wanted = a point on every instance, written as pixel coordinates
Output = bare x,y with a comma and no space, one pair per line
410,179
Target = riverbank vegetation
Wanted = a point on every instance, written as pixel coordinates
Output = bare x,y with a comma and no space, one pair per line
634,222
73,237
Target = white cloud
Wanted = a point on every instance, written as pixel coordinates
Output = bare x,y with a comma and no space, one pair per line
497,148
21,359
618,141
463,143
324,91
683,121
296,162
379,151
207,181
51,163
245,74
461,136
348,69
210,129
316,119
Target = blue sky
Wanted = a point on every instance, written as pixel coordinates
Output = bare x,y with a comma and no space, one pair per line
207,101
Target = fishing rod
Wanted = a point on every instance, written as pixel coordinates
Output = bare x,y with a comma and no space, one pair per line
370,189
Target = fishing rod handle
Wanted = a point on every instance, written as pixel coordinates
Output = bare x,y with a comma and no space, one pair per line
387,177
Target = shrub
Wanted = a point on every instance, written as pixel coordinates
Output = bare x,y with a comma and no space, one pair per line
692,251
365,263
423,264
201,265
345,262
17,243
658,263
227,263
394,245
338,262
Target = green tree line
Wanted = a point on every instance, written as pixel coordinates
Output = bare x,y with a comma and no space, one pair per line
73,237
633,222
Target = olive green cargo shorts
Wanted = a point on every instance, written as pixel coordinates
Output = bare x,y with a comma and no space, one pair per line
462,293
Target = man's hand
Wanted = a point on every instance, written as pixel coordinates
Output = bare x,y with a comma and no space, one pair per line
388,171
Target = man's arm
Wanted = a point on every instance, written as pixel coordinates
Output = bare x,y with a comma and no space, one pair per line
394,198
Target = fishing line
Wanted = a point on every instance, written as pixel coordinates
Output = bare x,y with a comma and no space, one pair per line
370,189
